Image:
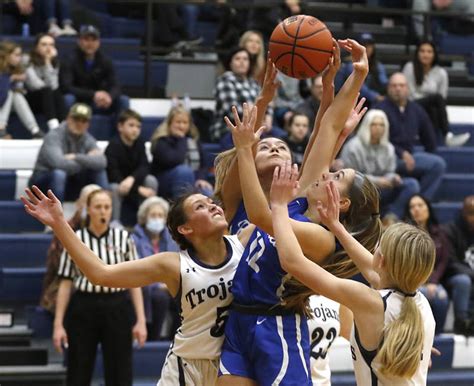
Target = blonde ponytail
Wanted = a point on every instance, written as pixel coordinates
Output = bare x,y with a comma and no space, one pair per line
222,165
402,348
409,254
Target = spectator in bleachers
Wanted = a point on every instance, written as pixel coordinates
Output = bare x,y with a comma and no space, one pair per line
42,81
69,157
428,85
52,9
310,105
298,136
152,236
177,158
409,122
419,212
375,84
127,165
12,90
253,42
371,153
460,270
88,76
232,24
51,279
233,88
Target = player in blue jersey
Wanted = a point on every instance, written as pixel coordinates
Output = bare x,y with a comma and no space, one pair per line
266,335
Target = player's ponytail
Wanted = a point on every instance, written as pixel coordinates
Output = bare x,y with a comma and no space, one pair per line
409,256
222,165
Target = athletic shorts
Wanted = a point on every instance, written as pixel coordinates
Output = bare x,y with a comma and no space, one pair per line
179,371
272,350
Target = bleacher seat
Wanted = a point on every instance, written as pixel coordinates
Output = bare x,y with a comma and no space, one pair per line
447,211
7,184
40,321
455,187
21,284
20,250
15,219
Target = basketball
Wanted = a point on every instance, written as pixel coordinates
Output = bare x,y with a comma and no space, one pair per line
300,46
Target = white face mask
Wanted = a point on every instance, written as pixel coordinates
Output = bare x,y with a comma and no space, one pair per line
155,225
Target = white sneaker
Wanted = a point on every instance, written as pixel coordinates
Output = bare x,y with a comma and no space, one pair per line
68,30
454,140
55,30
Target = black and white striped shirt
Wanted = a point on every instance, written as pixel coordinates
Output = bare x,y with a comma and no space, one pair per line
113,247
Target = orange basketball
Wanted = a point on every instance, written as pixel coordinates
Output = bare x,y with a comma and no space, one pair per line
300,46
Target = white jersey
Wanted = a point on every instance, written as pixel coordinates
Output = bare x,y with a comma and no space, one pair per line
366,368
324,327
205,300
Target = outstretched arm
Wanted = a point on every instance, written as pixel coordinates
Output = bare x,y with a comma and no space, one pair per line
321,154
162,267
347,292
231,193
255,201
360,256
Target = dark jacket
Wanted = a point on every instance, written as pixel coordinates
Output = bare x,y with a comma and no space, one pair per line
407,126
124,161
443,253
4,87
461,239
76,79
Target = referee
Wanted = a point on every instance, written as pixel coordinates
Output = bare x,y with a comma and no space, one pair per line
98,314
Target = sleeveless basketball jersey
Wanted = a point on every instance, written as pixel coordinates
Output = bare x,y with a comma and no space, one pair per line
366,367
204,300
259,278
324,328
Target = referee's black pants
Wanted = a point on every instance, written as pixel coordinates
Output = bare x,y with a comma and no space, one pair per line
105,319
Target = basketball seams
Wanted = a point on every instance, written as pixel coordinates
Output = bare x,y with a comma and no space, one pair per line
299,46
313,33
294,45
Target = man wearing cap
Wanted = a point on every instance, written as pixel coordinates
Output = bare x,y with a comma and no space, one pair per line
88,76
69,157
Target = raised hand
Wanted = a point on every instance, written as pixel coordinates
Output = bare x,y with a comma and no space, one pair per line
358,53
46,209
284,185
329,213
243,133
270,82
354,118
334,64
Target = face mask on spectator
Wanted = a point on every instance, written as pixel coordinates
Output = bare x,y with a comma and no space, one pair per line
155,225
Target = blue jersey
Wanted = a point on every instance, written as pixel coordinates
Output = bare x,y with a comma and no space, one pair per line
259,278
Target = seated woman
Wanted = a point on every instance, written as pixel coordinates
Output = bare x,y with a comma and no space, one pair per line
420,212
152,236
371,153
177,155
428,84
42,81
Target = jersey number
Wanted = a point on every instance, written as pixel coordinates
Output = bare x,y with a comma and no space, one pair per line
316,338
256,249
222,315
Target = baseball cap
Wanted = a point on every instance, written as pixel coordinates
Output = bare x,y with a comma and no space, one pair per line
366,38
80,110
89,30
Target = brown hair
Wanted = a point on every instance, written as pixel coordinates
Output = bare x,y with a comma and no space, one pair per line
362,220
176,218
35,58
163,129
6,49
127,114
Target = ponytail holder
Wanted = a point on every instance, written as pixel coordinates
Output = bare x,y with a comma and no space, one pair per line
376,214
409,294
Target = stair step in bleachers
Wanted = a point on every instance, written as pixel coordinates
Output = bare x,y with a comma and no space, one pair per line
463,128
458,160
455,187
15,219
447,211
23,356
7,184
17,335
21,285
17,249
48,375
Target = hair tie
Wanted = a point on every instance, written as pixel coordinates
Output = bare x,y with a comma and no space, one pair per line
409,294
376,214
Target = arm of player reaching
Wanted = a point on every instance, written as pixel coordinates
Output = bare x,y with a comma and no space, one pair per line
229,190
360,256
162,267
348,292
321,154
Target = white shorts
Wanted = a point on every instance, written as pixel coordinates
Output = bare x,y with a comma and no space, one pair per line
190,372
